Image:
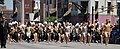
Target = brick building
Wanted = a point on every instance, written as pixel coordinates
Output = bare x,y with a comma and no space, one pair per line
28,8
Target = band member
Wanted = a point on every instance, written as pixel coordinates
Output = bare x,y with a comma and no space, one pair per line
56,33
40,31
62,34
52,32
48,32
10,35
32,31
28,31
36,34
84,32
67,33
20,33
102,30
76,32
96,32
81,32
4,30
108,28
89,33
58,29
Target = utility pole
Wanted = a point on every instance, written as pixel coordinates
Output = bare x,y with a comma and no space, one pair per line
38,11
44,12
22,16
56,9
48,8
92,14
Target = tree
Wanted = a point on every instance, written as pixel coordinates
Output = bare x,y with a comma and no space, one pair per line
51,19
1,1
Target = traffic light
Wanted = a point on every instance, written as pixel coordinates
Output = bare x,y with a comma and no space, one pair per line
112,8
102,8
1,1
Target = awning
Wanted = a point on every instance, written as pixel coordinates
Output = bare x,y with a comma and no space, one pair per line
68,12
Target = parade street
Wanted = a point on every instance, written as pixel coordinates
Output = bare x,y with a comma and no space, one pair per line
53,45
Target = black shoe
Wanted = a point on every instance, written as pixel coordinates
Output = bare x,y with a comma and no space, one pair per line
1,46
4,46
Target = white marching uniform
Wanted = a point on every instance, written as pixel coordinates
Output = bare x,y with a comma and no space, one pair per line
67,31
84,30
28,32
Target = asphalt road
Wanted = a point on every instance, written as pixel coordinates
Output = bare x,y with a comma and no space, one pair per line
53,45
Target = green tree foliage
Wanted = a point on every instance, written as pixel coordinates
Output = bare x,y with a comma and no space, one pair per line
51,19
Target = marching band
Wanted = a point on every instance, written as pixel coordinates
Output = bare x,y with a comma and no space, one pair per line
60,32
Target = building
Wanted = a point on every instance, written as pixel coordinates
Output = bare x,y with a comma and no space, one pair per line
102,14
28,8
6,9
53,8
102,9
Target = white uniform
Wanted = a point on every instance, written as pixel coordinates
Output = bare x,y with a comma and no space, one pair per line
67,31
28,32
84,30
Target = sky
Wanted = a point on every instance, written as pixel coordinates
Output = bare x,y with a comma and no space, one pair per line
8,4
36,6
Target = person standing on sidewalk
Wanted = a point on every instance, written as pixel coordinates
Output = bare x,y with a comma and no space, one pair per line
4,30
